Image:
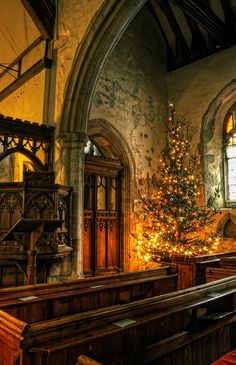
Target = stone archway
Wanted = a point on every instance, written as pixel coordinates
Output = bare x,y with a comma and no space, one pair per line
108,27
100,128
211,139
102,37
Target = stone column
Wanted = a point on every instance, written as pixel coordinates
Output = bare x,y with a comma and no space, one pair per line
72,174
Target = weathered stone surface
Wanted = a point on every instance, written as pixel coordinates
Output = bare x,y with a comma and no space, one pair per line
131,93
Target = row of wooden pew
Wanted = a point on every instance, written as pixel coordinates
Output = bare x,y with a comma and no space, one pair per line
128,318
192,270
44,301
225,268
24,306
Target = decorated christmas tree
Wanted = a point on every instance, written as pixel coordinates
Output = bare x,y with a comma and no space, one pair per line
173,221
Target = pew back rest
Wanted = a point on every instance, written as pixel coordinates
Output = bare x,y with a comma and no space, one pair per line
46,305
217,273
187,315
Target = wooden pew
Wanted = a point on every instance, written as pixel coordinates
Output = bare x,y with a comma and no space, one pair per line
228,262
217,273
169,329
81,282
191,271
84,360
42,302
227,268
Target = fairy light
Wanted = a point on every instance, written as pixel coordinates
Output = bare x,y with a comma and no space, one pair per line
173,221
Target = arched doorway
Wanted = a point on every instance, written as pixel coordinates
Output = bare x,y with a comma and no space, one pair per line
102,209
109,25
109,154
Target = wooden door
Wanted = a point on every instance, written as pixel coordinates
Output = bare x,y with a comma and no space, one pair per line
102,213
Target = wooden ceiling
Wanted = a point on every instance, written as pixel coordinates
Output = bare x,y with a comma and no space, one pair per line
43,12
193,29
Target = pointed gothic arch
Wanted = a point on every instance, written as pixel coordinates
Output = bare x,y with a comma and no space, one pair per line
103,35
212,139
108,26
102,132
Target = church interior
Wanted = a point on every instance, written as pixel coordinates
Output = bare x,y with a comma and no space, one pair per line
117,182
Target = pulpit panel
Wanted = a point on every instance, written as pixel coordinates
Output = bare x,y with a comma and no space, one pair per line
35,213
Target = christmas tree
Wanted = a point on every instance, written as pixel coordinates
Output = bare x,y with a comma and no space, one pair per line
173,221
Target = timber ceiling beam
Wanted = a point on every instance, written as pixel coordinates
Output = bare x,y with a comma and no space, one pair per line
182,50
171,60
229,15
208,20
43,13
198,46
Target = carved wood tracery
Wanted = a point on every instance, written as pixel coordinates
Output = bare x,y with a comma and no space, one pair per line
28,139
35,218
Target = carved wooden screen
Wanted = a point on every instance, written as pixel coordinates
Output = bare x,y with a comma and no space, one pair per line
102,226
28,194
32,140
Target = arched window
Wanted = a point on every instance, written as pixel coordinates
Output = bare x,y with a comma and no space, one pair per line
230,157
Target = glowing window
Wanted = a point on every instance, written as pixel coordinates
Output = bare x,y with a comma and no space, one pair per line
230,157
229,123
91,149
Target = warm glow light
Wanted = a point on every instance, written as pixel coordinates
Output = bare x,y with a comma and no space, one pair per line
172,220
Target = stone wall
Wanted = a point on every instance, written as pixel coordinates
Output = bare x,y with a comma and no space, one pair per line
131,97
74,20
27,102
201,87
131,93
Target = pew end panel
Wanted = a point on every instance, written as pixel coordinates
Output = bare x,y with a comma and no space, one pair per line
192,270
13,333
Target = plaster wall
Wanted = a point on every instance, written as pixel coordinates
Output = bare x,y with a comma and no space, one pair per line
74,21
131,93
192,89
131,97
27,102
203,92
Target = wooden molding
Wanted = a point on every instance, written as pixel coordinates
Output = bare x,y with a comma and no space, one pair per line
27,75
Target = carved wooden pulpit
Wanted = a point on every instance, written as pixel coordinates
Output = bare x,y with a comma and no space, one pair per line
32,238
35,223
35,212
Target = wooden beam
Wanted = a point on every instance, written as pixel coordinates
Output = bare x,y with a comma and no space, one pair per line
27,75
212,42
171,60
208,20
198,45
182,50
43,13
229,15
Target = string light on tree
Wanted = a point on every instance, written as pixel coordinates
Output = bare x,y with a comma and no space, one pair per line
172,219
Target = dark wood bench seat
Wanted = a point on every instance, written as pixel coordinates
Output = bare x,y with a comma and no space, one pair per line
171,320
228,262
42,303
84,282
191,270
217,273
226,268
153,330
